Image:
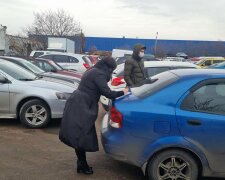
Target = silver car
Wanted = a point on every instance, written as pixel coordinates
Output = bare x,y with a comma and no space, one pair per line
26,96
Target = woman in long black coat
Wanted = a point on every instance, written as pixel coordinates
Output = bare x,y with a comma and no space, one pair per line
81,111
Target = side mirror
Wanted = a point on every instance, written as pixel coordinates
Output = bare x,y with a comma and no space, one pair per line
3,80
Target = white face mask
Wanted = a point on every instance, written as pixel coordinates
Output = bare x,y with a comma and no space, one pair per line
141,54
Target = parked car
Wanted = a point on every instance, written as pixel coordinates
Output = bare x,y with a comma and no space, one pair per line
173,127
208,61
39,72
35,54
77,62
151,68
50,66
33,100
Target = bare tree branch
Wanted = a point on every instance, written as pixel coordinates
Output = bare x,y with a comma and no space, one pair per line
57,23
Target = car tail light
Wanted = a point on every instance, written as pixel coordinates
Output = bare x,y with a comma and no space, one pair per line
86,65
115,118
117,81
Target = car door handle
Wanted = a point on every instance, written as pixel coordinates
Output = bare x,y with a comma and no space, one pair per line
194,122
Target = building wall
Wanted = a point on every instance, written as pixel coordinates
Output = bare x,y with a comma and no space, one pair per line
163,47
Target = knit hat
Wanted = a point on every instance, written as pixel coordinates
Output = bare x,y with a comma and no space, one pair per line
110,62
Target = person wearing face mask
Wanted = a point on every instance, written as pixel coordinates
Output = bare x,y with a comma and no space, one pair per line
81,110
134,67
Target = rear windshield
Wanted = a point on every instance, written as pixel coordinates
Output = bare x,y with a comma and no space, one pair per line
37,54
151,71
154,84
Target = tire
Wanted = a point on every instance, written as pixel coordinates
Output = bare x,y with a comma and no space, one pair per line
34,114
173,165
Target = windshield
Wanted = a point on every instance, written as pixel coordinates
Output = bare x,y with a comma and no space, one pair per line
16,71
200,61
55,65
32,67
154,84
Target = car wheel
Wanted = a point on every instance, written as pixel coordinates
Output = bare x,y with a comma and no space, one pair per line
34,114
173,165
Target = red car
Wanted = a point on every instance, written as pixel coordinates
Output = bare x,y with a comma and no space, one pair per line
51,66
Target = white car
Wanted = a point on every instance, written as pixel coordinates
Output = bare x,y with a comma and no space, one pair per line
151,68
35,54
78,62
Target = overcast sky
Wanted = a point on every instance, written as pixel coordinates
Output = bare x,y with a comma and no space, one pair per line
172,19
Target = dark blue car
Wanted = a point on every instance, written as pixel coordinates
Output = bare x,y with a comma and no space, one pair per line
173,126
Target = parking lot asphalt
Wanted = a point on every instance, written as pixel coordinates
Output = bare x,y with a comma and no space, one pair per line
27,154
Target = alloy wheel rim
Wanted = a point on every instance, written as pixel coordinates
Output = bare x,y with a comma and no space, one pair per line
36,115
174,168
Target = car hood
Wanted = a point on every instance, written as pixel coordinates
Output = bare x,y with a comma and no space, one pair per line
69,73
56,75
53,85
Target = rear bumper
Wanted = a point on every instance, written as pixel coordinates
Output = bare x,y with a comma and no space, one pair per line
111,141
118,144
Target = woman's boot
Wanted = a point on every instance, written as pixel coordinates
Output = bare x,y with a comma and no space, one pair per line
83,167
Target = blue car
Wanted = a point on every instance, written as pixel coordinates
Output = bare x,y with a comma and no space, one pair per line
172,126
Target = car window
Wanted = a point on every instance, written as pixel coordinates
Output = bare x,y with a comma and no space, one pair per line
151,71
73,59
209,98
207,62
39,64
47,57
54,65
37,54
47,67
121,60
120,73
61,59
154,84
200,62
218,61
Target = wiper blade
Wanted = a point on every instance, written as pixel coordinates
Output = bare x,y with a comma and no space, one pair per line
38,77
24,79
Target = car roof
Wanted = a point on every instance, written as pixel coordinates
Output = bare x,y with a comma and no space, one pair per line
168,63
12,58
3,61
65,54
161,64
198,72
42,59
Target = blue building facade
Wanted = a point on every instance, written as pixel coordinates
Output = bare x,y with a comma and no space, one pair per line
163,47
